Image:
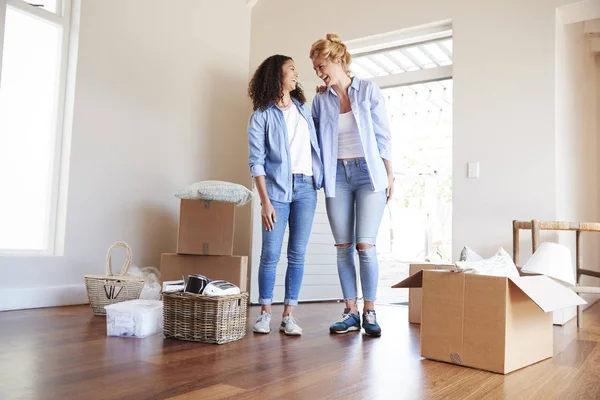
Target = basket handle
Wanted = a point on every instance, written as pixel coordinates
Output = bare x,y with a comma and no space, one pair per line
127,264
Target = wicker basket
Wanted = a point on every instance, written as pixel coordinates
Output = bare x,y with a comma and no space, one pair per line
206,319
103,290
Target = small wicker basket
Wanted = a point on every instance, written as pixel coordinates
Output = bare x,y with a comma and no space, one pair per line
205,319
103,290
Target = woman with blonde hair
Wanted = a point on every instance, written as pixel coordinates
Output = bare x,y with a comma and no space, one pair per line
354,136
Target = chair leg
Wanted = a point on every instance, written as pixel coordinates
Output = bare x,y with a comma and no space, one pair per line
579,317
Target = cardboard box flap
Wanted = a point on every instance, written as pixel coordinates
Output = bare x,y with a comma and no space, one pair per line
413,281
546,293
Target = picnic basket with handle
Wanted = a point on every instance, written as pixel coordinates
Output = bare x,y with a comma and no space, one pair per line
103,290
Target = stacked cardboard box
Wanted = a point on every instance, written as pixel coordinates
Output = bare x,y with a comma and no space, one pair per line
205,244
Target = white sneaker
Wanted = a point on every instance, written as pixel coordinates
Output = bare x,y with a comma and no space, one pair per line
263,323
289,326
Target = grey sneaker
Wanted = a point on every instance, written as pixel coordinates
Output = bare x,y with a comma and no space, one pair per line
263,323
289,326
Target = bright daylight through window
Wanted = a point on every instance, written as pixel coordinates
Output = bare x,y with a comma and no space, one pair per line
32,96
416,79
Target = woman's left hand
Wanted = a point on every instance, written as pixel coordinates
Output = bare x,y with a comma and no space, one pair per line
390,189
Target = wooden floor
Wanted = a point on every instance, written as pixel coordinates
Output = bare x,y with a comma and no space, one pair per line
63,353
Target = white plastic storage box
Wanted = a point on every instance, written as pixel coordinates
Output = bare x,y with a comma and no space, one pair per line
134,318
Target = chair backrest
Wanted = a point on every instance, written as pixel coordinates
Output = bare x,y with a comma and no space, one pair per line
536,226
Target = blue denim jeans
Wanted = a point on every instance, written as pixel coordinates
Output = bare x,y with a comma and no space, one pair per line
354,216
299,214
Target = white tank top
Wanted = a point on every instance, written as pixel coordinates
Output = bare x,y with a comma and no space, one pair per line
349,144
299,140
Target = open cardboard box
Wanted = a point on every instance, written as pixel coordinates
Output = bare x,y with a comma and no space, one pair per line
492,323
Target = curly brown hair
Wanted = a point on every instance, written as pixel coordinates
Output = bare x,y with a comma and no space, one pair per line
265,85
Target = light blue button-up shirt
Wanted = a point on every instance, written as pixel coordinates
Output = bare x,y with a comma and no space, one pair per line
368,107
269,149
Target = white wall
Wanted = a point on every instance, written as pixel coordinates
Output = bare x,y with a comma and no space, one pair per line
2,21
504,57
577,189
576,135
160,102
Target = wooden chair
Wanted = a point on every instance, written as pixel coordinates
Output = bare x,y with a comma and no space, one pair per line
579,227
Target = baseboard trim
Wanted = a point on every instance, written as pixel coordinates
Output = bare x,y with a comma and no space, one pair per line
43,296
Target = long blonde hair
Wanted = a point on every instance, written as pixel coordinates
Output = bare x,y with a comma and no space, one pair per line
333,48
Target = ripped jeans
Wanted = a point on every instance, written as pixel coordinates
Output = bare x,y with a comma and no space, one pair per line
354,216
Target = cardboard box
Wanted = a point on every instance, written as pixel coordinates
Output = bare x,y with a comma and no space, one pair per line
415,294
206,227
233,269
493,323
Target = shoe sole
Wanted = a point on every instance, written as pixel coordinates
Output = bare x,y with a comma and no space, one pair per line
292,333
350,329
373,334
261,331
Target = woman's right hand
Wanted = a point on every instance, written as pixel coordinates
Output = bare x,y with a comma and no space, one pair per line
268,216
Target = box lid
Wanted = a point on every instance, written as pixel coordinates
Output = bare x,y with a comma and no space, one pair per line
548,294
413,281
136,305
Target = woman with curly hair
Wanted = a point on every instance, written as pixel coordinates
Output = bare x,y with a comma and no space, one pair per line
285,163
354,135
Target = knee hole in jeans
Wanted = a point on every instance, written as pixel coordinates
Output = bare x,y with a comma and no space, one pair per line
363,246
343,245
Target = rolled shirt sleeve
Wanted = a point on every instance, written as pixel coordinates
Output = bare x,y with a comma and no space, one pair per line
381,126
256,144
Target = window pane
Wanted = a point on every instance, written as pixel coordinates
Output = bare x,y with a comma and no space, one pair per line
28,108
435,51
405,61
48,5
